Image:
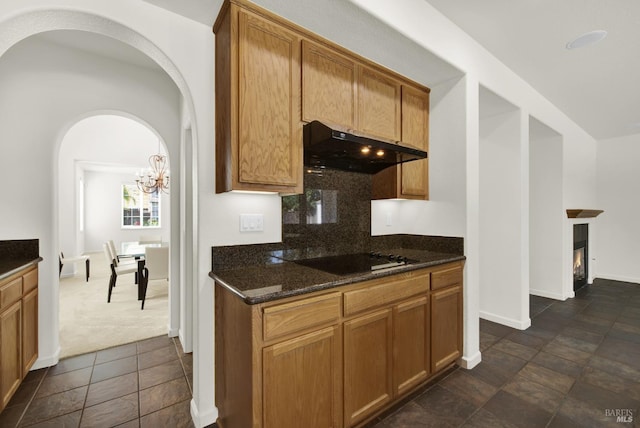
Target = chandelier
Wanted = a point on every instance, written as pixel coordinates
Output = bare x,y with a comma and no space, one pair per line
155,179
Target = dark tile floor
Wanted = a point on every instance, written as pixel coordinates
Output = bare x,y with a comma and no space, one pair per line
578,365
142,384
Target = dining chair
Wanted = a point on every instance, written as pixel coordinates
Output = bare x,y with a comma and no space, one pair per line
147,239
66,260
156,267
116,270
114,254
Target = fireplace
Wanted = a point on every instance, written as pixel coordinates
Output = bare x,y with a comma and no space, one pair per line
580,255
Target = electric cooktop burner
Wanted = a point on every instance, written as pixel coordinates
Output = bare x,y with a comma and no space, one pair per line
356,263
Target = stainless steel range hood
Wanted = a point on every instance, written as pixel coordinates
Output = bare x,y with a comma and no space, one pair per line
333,148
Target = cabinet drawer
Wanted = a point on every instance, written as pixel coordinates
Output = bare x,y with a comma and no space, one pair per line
10,292
381,293
446,277
30,281
296,316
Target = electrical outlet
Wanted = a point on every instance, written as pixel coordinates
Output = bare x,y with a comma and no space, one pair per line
251,222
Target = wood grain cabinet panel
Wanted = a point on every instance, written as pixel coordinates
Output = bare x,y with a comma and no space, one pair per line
446,327
410,344
378,104
368,359
302,381
29,330
10,355
18,329
258,127
408,180
328,86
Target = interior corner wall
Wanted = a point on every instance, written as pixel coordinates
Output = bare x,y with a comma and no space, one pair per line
501,239
546,217
617,230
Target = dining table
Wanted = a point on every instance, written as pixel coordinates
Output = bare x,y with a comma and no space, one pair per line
136,250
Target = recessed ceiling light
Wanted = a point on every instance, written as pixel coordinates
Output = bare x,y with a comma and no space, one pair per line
587,39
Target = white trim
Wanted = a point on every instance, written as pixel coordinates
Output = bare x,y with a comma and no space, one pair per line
172,332
614,277
548,294
205,419
520,325
470,362
49,361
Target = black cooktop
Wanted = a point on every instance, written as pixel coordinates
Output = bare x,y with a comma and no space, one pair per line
355,263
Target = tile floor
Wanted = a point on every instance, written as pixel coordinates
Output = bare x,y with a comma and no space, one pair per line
142,384
576,366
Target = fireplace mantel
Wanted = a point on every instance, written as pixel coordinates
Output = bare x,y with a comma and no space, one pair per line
583,213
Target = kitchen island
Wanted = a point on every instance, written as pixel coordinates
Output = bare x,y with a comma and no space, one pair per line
299,346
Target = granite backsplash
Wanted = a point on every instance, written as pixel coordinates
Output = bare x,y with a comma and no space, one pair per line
332,216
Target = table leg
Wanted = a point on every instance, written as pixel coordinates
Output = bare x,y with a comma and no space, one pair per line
141,279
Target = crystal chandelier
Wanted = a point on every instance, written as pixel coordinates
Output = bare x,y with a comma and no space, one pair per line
155,179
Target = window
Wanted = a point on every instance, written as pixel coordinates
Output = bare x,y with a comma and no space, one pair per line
139,209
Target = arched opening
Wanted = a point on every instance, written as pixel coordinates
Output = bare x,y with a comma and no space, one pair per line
98,162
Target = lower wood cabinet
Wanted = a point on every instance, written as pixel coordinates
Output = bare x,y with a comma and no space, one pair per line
335,358
301,381
18,330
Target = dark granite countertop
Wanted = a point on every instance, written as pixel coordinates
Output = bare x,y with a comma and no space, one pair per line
11,266
279,279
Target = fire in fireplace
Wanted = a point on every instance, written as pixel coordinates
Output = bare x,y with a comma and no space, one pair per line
580,255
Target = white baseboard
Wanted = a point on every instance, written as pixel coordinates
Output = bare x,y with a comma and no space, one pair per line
520,325
547,294
470,362
622,278
47,361
172,332
203,419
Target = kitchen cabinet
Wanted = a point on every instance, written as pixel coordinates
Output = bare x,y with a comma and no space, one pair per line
378,104
335,357
368,356
408,180
328,86
18,330
257,82
446,317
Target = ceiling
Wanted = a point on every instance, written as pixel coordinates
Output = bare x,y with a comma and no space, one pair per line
595,85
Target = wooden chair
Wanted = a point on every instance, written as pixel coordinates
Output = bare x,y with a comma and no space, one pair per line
156,266
66,260
116,269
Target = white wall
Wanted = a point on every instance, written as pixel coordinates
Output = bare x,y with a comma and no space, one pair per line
502,290
617,230
547,220
103,213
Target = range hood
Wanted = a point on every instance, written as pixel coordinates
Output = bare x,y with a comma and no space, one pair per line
326,147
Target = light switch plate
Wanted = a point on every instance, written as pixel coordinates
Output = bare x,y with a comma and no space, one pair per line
251,222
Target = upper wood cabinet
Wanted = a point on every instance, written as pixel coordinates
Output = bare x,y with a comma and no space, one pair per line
258,127
328,86
378,104
409,180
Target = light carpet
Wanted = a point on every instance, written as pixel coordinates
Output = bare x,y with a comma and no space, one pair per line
88,323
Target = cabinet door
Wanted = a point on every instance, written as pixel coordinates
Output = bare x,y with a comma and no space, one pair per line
328,86
10,358
410,344
446,327
302,381
270,131
29,330
378,104
415,133
368,359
